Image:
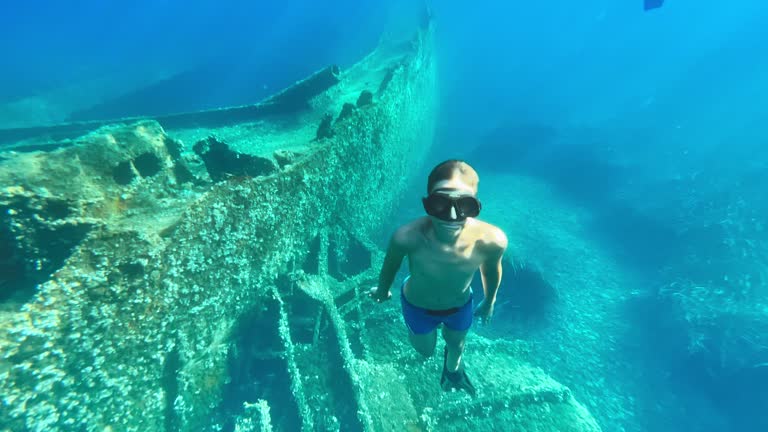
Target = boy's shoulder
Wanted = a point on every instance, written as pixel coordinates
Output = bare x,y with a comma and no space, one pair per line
411,231
491,234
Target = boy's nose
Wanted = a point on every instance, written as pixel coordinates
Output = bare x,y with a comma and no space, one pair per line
453,212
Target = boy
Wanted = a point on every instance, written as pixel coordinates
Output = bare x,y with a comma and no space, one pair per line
444,250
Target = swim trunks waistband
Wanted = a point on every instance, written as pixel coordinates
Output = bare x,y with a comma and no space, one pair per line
441,312
422,321
445,312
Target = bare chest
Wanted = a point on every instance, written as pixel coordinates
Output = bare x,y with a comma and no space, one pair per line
445,257
440,276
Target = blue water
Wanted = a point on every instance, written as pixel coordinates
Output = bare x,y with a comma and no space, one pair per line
655,122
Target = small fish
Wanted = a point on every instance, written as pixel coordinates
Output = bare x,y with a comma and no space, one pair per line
652,4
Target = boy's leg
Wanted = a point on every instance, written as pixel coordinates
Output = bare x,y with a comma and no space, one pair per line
422,329
454,342
424,343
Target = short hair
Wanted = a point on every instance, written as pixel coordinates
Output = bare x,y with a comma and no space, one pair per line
446,169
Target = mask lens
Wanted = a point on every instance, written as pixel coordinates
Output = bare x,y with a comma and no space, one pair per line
468,206
438,206
439,203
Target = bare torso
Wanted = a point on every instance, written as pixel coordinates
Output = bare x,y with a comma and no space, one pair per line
441,273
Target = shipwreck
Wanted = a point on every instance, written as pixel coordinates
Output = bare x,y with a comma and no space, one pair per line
208,270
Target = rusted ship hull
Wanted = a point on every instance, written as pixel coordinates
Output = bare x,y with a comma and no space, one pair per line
221,285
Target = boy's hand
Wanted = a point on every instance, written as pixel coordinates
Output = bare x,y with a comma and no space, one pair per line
378,295
484,311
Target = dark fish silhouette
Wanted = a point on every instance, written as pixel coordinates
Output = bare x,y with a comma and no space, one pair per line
652,4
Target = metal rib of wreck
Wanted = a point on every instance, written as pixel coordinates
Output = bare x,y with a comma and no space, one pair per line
157,285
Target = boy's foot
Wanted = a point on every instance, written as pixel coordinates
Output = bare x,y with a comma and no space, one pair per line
455,380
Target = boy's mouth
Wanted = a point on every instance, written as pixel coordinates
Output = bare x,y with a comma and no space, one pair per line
449,226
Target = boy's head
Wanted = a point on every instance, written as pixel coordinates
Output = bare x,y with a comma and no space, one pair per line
453,173
452,192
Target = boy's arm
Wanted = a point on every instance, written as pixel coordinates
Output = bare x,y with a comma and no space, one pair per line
396,251
490,269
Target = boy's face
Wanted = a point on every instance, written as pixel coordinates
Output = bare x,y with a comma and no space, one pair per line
450,202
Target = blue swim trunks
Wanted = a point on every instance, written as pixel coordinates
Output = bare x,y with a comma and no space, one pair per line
423,321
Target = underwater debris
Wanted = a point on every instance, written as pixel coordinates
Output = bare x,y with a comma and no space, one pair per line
351,256
37,234
290,102
325,129
285,157
256,417
54,199
297,97
144,165
365,99
222,163
346,111
123,173
385,82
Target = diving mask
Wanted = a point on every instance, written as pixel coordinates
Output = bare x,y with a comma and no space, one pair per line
442,206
